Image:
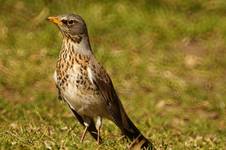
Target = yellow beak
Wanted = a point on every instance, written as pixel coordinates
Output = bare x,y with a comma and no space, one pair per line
55,20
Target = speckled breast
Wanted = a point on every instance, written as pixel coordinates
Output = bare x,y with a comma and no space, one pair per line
74,84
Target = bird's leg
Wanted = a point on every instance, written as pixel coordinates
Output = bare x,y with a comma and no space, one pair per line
134,142
98,126
84,132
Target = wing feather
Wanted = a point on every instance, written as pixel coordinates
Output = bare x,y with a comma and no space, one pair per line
104,85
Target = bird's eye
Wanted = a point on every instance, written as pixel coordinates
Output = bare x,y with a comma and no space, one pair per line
64,21
70,22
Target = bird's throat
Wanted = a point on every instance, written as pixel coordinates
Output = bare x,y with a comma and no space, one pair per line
80,45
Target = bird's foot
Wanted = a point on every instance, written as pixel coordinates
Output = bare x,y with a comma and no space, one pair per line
84,132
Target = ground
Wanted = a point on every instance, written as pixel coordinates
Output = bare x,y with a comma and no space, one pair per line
167,60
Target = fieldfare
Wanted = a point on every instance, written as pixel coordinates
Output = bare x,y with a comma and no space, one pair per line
85,85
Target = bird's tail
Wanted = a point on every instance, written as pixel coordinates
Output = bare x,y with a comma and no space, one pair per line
130,130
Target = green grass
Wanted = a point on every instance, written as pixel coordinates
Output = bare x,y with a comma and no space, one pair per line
167,60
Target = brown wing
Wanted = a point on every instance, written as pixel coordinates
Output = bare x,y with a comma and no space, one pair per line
105,87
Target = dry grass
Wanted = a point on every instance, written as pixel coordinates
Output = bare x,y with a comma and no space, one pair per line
166,59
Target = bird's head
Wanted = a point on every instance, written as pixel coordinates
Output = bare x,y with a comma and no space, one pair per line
71,26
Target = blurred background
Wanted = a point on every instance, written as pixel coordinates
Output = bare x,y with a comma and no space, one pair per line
167,59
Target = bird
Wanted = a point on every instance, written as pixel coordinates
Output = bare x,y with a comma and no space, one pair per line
86,87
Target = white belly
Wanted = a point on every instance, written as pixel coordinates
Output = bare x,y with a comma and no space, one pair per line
86,104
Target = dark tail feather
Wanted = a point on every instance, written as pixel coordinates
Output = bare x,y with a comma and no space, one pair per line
131,131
